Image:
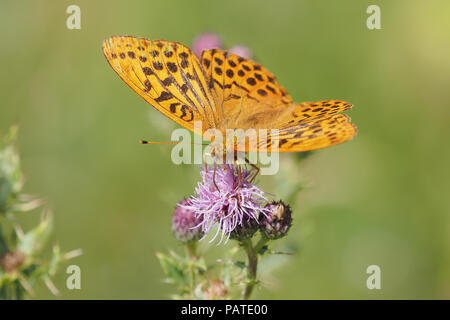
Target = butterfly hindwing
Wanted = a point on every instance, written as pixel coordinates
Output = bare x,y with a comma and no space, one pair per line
303,127
320,132
307,111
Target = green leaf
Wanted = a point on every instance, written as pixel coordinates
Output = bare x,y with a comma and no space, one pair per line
34,240
11,180
240,264
174,273
199,264
56,260
25,203
263,250
281,253
3,243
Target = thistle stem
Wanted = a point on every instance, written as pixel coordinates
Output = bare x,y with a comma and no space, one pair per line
192,255
191,250
252,255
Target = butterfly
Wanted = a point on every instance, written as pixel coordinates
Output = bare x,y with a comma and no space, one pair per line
225,91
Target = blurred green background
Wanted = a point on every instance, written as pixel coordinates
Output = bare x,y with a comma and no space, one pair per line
382,198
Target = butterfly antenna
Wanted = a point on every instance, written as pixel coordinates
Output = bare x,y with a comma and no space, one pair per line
172,142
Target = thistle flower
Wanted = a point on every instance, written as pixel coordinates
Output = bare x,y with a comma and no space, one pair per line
242,51
276,224
229,205
206,41
184,223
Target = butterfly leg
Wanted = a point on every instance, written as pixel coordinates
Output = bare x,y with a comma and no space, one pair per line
239,180
206,170
255,174
206,163
214,178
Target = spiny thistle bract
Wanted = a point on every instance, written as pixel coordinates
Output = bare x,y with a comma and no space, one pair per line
276,224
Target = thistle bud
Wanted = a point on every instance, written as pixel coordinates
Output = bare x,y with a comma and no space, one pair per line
277,223
186,223
216,290
11,261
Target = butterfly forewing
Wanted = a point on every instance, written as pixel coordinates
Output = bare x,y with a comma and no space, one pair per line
165,74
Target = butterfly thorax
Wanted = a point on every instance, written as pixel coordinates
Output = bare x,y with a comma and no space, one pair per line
223,153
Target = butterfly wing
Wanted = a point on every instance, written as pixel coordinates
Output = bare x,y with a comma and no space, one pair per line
250,97
316,125
304,127
240,87
167,75
317,133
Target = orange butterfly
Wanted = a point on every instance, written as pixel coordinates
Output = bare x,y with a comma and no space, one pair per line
224,91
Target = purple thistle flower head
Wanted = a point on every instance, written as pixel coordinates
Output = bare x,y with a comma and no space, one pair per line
230,207
184,223
242,51
206,41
